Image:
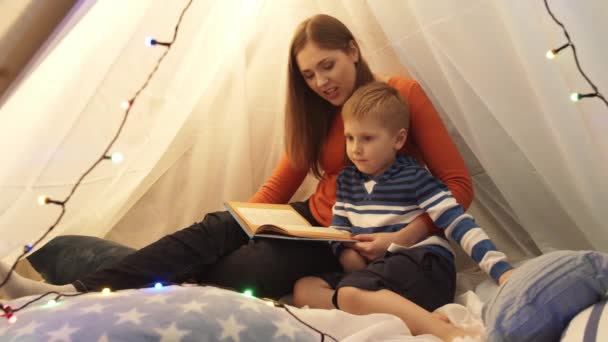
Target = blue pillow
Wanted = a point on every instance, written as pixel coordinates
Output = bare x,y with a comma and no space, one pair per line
541,297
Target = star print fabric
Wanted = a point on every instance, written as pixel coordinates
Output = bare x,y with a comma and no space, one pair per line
174,313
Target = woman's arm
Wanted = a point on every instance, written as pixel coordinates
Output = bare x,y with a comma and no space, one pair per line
430,137
281,185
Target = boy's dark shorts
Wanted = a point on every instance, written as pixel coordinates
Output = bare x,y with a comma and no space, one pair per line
418,274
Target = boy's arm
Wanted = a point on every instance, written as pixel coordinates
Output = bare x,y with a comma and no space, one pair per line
437,201
416,231
374,245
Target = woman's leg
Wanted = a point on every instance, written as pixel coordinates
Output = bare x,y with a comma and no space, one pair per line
18,286
216,251
174,258
270,267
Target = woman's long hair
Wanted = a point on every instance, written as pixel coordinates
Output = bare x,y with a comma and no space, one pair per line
307,115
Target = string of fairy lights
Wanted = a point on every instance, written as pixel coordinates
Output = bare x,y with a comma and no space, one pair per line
551,54
116,157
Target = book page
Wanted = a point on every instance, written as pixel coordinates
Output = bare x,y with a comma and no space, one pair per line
321,230
259,216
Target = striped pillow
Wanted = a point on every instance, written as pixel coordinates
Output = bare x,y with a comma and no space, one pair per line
590,325
543,295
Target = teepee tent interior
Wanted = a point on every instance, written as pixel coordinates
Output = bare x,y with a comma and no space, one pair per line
204,124
209,125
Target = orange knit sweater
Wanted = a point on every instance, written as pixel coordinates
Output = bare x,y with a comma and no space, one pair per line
428,141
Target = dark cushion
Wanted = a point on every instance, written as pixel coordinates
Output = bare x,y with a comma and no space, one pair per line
67,258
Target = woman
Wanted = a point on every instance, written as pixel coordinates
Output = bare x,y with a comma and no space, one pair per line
325,67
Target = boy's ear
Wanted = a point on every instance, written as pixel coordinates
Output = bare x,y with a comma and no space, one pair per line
400,138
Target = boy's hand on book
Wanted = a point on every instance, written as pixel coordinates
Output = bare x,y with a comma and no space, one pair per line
373,246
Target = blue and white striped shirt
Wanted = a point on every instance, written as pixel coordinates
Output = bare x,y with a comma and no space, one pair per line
404,191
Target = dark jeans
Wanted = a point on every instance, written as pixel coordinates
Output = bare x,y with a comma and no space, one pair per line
217,251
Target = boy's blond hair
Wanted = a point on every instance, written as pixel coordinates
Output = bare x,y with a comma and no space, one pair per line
378,101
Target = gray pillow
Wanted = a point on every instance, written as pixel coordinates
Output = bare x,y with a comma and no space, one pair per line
541,297
69,257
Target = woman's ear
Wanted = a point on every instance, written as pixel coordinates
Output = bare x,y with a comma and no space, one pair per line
353,51
400,139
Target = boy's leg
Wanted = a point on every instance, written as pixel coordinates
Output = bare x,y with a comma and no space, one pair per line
408,284
314,292
417,319
419,274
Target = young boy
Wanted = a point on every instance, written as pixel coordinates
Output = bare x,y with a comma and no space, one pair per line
377,196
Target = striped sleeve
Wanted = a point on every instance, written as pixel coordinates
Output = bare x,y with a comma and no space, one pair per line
437,201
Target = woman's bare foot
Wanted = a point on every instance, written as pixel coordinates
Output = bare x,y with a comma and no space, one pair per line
19,286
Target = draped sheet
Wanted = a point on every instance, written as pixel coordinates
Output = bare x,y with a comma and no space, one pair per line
209,127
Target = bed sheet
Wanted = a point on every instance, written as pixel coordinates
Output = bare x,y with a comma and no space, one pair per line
205,313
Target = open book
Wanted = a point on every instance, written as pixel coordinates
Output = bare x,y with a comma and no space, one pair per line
280,221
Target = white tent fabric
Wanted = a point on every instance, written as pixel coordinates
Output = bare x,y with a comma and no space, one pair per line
209,127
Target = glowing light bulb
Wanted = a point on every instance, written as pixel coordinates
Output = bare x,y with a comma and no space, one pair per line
550,54
42,200
248,293
158,286
51,303
106,291
13,319
149,41
125,104
575,97
117,158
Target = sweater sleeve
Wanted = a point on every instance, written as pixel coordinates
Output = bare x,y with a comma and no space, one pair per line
282,184
339,216
431,138
437,201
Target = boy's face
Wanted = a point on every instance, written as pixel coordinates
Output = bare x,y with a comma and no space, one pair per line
372,146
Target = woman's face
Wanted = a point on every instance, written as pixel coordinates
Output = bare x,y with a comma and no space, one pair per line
329,73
